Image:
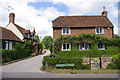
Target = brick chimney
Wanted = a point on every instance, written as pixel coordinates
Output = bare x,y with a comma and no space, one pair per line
11,17
34,31
104,13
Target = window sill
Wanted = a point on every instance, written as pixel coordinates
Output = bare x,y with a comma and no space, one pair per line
66,50
99,33
65,34
83,49
101,49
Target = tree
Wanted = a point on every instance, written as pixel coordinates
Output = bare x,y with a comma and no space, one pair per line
116,36
37,38
47,41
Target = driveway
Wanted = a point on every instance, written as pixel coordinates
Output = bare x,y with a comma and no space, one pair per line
30,68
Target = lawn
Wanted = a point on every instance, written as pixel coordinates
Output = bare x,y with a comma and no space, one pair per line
73,71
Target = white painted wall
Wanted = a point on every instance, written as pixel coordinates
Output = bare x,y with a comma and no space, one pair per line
15,30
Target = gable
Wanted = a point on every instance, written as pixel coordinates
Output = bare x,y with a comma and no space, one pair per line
15,30
8,35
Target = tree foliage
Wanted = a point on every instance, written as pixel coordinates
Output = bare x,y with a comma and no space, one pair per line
47,41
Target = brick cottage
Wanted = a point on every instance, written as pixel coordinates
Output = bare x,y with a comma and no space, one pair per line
76,25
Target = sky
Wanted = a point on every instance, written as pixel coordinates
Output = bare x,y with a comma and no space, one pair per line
39,14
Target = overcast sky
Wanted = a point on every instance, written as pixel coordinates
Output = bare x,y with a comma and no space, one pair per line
37,14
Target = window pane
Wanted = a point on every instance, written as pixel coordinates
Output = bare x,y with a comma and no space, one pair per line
68,46
99,46
85,45
97,29
6,45
64,47
63,30
67,31
100,30
10,45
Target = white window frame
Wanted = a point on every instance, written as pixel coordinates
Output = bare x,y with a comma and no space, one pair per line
103,47
99,30
6,45
10,45
83,48
65,31
66,47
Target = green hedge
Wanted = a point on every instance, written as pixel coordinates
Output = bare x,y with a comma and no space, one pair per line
20,51
64,60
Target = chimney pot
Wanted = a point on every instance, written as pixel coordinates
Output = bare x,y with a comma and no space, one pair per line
11,17
104,13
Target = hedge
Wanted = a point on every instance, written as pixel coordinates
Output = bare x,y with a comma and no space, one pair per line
20,51
64,60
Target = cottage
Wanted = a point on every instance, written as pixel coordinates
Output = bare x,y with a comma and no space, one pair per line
76,25
19,33
8,38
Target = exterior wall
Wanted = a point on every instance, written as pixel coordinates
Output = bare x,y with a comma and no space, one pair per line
77,31
12,27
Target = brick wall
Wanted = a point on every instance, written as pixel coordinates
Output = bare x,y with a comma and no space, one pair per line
77,31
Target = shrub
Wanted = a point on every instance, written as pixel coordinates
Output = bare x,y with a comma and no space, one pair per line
64,60
111,66
20,51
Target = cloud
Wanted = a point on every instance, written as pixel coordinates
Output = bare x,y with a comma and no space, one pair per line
92,7
28,17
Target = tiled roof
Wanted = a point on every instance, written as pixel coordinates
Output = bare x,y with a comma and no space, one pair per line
8,35
82,21
24,31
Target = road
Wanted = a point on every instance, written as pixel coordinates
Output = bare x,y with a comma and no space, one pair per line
30,68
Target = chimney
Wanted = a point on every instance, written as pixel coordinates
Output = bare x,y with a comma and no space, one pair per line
11,17
104,13
34,31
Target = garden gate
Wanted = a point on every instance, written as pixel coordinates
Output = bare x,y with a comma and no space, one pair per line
95,63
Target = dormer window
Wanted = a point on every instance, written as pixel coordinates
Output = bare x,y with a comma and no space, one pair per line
65,31
99,30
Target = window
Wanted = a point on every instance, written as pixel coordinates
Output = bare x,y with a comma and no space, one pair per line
6,46
84,46
65,31
28,35
66,46
101,46
99,30
32,37
10,44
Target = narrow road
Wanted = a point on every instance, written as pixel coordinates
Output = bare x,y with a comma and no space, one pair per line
30,68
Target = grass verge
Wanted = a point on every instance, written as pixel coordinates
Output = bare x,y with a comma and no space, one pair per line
72,71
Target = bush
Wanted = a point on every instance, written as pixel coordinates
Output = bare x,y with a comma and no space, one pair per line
64,60
111,66
20,51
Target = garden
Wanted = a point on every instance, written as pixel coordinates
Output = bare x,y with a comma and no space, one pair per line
76,56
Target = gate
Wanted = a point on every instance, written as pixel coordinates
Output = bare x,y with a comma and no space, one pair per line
95,63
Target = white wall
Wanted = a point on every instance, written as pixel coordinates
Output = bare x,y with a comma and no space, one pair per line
15,30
